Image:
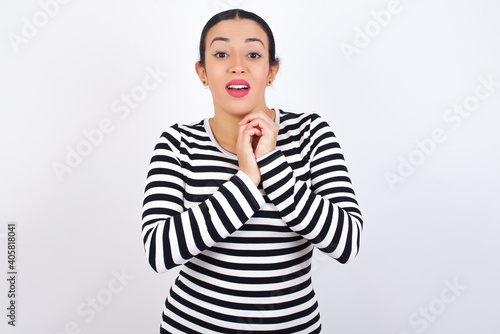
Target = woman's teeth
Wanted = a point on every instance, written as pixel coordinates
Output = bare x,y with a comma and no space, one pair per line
237,87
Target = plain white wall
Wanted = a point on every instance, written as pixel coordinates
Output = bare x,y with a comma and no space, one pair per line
390,85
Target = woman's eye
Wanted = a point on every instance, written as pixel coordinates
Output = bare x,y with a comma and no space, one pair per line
220,54
254,55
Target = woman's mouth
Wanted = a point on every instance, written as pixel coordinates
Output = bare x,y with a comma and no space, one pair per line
238,88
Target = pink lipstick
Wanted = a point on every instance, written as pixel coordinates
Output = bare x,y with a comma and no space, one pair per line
238,88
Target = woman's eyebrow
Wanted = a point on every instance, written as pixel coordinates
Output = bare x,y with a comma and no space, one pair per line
248,40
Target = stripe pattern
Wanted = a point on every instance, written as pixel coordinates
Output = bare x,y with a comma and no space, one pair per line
246,251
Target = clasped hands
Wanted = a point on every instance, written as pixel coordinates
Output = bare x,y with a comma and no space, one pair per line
257,137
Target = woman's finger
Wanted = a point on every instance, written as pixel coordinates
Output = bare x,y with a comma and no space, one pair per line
245,147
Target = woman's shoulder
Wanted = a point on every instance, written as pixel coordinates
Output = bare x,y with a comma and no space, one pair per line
186,131
179,135
299,120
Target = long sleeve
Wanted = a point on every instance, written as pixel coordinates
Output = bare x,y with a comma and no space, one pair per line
172,233
325,212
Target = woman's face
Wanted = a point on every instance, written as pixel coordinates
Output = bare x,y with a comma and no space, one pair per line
237,50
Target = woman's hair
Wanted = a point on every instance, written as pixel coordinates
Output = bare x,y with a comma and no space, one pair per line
234,14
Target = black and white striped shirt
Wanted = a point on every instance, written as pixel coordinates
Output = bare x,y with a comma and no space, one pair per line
246,251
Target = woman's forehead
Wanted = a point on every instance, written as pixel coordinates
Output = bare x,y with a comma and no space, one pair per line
237,31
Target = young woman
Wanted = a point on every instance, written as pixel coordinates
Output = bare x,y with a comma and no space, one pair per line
240,200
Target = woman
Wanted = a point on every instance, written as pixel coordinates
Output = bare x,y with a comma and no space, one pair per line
241,199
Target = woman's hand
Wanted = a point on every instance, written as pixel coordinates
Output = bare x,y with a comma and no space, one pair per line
257,136
244,151
264,142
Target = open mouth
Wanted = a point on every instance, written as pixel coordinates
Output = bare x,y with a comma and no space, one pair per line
238,88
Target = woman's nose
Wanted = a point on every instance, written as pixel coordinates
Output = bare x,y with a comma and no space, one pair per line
238,65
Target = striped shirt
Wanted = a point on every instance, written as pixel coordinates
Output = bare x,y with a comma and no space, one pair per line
245,250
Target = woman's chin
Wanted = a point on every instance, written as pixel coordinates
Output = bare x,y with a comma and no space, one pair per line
238,108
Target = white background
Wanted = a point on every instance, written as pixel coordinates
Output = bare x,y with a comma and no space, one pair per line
436,226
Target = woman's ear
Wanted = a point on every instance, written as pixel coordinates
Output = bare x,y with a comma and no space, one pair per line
202,74
273,71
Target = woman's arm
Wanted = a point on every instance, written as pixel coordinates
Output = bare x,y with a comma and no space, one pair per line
326,213
173,234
